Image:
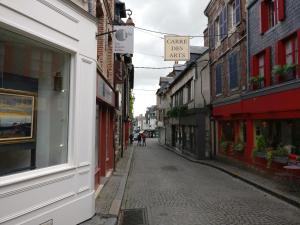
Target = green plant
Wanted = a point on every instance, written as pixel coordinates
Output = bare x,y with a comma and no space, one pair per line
261,143
269,158
224,144
278,70
281,152
239,147
177,111
283,70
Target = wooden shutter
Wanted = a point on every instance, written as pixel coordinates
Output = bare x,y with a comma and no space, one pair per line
281,13
221,22
264,22
212,36
237,11
254,65
233,76
218,79
268,73
225,17
280,53
298,43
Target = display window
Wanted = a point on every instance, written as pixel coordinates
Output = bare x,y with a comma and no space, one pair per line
34,104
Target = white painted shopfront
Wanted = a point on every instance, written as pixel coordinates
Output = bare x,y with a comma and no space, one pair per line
47,112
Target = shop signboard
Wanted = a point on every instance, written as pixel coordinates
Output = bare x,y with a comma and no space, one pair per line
105,92
124,39
177,48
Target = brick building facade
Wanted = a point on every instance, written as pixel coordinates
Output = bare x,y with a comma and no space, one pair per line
261,126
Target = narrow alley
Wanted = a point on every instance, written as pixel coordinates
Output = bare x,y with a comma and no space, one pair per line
174,191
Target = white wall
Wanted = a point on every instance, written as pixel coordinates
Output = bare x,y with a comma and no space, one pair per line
64,193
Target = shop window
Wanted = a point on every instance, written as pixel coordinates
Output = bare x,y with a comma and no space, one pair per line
34,97
280,134
228,131
272,11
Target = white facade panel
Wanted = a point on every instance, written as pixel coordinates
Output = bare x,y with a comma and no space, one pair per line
63,193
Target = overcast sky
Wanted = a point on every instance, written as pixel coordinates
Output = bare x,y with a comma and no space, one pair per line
184,17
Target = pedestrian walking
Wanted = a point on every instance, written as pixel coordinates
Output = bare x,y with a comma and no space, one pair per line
144,139
131,139
139,138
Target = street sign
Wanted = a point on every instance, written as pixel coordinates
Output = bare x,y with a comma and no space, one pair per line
177,48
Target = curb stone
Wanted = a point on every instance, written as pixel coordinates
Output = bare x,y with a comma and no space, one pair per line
235,175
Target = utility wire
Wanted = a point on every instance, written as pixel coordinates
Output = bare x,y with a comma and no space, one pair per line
171,67
192,36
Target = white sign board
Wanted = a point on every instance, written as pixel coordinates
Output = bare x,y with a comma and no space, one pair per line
124,39
177,48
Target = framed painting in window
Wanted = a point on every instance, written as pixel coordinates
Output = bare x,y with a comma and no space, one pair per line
17,116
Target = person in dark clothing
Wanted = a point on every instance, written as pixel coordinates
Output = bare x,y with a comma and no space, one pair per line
139,138
131,138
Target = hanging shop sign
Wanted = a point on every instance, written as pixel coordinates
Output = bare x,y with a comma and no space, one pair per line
124,39
177,48
105,92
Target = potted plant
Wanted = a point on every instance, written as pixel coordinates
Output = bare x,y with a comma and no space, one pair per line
280,155
239,147
224,145
256,81
260,149
269,157
284,72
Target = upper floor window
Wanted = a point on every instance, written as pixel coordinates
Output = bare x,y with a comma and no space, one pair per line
261,69
271,12
217,31
287,58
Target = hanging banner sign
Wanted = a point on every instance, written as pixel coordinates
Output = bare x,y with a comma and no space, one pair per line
177,48
124,39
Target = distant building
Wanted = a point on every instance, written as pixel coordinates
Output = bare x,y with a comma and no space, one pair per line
183,106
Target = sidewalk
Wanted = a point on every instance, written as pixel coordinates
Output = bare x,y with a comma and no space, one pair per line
109,201
279,188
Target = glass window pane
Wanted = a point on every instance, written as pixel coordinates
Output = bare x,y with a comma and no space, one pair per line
34,99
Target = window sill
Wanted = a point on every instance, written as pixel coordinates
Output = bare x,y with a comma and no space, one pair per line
34,174
270,29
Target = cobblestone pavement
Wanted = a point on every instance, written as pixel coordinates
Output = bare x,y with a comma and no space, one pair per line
176,191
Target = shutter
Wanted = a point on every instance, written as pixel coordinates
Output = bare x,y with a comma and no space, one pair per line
233,71
268,74
255,69
225,25
221,22
218,79
281,14
298,44
237,11
212,36
280,53
264,24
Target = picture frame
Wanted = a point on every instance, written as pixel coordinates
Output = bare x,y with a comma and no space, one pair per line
17,116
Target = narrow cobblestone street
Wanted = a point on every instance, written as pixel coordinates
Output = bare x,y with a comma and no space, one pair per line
176,191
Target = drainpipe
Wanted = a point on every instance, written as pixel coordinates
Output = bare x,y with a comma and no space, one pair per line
90,6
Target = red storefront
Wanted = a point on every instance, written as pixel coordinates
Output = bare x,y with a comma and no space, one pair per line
268,118
105,114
